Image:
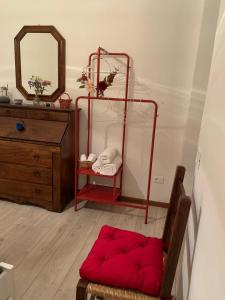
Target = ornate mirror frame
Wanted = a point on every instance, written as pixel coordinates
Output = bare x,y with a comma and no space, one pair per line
61,61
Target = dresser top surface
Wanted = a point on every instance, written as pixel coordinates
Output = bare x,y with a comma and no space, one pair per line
33,107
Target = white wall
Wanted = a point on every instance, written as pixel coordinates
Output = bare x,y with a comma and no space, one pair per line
161,37
208,273
199,87
191,136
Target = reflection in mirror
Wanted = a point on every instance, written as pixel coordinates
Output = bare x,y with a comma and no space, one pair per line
40,53
39,57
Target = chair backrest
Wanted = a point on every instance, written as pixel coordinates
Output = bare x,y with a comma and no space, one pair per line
174,230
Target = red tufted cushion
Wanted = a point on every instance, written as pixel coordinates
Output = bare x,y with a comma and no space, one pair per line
125,259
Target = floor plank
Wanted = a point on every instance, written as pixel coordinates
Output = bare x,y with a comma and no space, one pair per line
48,248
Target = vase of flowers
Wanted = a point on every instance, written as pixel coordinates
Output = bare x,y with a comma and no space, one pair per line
102,85
39,86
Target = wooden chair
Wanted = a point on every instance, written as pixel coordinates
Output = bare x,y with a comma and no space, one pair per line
173,234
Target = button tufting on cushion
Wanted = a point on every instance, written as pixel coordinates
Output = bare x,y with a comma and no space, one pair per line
123,251
125,259
101,259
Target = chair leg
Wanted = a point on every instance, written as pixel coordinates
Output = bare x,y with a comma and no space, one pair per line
81,292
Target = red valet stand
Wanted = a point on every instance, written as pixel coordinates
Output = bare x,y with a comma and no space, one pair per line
101,193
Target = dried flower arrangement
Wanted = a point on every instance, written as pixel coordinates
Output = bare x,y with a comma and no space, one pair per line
87,83
38,84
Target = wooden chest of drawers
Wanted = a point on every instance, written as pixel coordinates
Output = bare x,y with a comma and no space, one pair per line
37,163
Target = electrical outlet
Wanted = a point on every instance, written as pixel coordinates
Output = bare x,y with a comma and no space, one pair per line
158,179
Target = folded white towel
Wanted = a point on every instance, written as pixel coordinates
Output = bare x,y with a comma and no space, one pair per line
107,156
96,166
83,157
92,157
112,168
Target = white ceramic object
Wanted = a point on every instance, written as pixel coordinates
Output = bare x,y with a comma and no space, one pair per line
6,282
18,101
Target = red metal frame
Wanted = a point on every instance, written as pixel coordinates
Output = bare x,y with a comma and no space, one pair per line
98,193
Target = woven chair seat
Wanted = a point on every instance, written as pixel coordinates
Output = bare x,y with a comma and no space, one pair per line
116,294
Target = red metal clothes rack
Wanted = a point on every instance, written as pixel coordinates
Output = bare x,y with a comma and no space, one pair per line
100,193
102,52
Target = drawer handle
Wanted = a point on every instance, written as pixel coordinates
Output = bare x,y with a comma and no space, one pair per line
20,126
37,173
36,156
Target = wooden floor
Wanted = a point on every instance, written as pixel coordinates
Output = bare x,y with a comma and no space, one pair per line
48,248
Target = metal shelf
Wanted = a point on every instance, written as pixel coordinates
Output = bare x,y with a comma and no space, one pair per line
90,172
98,193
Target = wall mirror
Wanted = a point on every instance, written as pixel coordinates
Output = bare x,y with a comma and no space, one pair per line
40,52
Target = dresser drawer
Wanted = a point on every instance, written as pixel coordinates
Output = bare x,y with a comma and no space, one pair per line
34,113
34,130
26,154
12,112
25,173
48,115
26,192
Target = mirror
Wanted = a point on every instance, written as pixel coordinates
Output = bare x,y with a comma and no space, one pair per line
40,53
